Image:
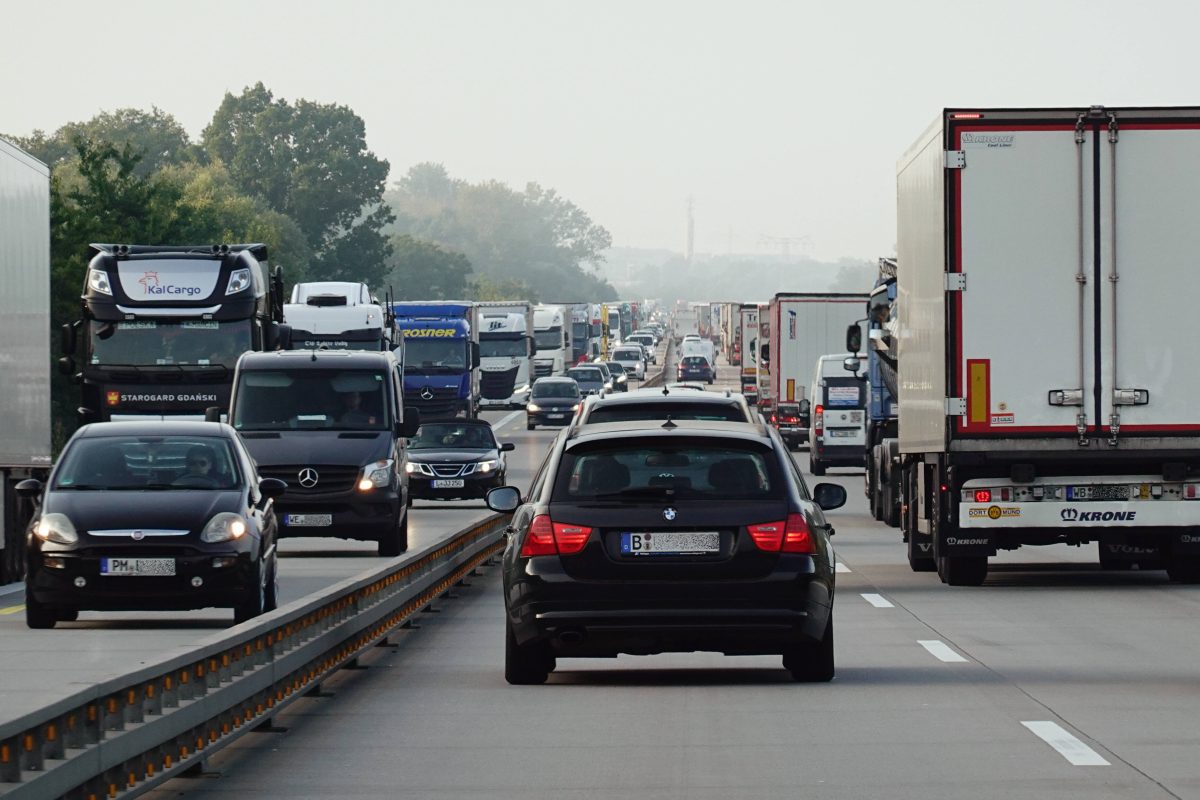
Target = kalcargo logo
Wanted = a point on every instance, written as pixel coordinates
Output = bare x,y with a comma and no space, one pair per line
430,333
1075,515
154,287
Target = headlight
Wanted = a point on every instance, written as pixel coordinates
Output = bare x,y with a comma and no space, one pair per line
224,527
534,407
98,281
238,281
377,475
56,528
410,467
488,466
575,407
622,379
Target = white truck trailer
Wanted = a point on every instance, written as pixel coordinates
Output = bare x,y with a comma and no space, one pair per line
25,348
748,322
552,331
506,351
1046,396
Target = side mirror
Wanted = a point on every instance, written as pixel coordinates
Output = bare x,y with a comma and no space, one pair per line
507,447
852,364
829,496
212,414
764,353
532,345
805,406
29,488
504,499
412,421
272,488
66,339
853,338
66,365
474,355
87,415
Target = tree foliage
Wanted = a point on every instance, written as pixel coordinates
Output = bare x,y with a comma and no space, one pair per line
420,270
155,136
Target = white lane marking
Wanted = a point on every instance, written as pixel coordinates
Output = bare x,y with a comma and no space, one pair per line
941,651
1070,748
840,567
877,600
507,419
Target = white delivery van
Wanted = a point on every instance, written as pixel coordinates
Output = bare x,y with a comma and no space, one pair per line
838,434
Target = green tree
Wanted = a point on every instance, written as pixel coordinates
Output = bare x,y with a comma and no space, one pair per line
420,270
309,161
484,288
156,136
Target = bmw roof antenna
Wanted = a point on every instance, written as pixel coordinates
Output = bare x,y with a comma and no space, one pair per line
669,423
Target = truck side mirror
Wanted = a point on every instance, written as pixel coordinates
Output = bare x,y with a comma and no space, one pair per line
532,345
212,414
474,355
853,338
66,340
764,353
278,336
805,406
66,365
412,421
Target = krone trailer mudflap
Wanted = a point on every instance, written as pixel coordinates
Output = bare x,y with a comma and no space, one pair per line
1044,246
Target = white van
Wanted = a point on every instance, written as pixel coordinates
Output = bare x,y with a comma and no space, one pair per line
837,436
631,357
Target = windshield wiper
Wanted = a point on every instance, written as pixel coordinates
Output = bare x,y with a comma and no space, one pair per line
159,486
80,487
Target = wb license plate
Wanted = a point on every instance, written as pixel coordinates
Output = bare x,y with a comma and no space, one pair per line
683,543
157,567
1101,492
456,483
308,520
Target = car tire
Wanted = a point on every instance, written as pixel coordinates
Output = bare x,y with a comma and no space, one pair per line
525,665
812,662
68,616
529,426
1183,569
255,602
271,591
815,466
408,499
395,541
963,571
38,616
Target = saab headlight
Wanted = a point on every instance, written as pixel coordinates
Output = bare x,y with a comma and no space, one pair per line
377,475
98,281
488,465
56,528
534,407
239,280
224,527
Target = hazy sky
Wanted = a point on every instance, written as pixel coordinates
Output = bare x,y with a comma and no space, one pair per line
780,118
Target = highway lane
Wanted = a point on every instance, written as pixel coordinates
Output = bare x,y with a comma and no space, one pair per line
1053,680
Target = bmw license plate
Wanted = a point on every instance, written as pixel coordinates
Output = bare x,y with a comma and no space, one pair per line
156,567
308,520
681,543
456,483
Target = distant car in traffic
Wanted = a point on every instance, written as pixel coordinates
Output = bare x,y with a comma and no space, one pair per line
590,379
460,459
646,340
695,368
152,515
632,358
663,404
645,538
553,401
620,380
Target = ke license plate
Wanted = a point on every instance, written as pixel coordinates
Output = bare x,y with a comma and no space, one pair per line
456,483
1103,492
137,566
670,544
308,520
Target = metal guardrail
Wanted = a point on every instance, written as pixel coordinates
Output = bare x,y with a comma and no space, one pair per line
127,735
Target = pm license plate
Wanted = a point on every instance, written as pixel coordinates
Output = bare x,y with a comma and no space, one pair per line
308,520
456,483
137,566
683,543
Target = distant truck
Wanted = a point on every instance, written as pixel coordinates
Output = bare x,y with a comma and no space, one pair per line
585,331
441,358
552,331
162,327
1045,395
879,370
506,353
748,334
337,315
24,322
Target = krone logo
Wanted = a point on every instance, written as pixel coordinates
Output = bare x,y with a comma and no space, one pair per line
308,477
1069,514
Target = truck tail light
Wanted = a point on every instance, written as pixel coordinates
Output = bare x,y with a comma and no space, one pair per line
798,538
768,536
570,538
540,539
819,420
983,495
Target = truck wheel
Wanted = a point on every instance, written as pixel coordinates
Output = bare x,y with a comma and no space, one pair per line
1181,569
815,466
963,571
38,616
1108,563
869,480
812,662
395,541
525,665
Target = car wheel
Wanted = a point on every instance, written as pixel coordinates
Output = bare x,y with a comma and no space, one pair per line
38,616
271,590
525,664
815,466
395,541
255,601
408,499
812,662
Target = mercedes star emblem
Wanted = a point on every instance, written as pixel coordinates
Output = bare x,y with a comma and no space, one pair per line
669,514
308,477
427,393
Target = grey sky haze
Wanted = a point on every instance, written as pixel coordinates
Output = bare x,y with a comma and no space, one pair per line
779,118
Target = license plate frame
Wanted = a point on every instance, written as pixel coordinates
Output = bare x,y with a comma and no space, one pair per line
307,520
118,567
639,544
449,483
841,433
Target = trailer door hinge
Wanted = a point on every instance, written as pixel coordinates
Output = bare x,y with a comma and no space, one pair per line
956,281
956,159
956,406
1131,397
1065,397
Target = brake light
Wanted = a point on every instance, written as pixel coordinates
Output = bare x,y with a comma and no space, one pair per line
983,495
819,419
540,539
570,538
790,420
798,538
768,536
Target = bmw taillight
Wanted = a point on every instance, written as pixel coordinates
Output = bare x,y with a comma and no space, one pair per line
798,538
768,536
819,420
540,539
570,538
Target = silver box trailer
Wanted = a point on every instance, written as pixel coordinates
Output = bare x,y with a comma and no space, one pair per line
1046,394
24,341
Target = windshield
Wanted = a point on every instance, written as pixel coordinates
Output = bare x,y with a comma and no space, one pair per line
348,400
549,339
440,436
426,355
615,367
654,471
628,355
148,343
550,390
586,375
503,348
581,331
148,462
621,412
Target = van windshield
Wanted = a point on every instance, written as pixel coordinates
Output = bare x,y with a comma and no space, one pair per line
324,399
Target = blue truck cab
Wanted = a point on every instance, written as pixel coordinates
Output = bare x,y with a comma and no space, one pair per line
441,358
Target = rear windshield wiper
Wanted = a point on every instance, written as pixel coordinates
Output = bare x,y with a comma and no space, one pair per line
637,491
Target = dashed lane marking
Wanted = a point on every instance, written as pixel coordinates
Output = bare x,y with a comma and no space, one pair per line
840,567
877,600
11,610
941,651
1069,747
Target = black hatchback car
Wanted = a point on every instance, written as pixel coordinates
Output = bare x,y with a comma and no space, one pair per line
553,401
455,460
151,515
651,537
